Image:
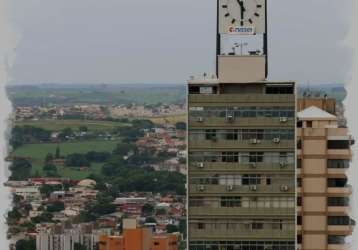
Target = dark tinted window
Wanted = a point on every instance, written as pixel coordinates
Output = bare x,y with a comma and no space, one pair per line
339,144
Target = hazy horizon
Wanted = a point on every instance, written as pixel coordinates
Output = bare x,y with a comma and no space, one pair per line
165,41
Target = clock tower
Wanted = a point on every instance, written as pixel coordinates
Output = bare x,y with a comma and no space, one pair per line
242,41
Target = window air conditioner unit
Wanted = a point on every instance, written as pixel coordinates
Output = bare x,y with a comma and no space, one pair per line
283,164
200,119
284,188
230,188
253,188
283,119
201,187
254,141
230,118
276,140
253,165
200,164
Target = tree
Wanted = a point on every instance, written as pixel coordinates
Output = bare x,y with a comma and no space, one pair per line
66,132
182,227
77,160
13,216
46,190
172,228
58,152
79,246
20,169
123,149
94,156
83,129
25,244
50,170
148,209
150,220
44,217
49,158
56,206
161,211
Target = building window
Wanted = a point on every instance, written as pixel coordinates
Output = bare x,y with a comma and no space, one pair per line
299,182
338,144
201,225
251,179
299,239
257,225
337,182
299,201
299,220
336,239
338,163
279,90
299,163
299,144
339,220
338,201
309,124
210,134
230,201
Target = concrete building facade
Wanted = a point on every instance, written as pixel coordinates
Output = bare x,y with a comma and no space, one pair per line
324,155
241,146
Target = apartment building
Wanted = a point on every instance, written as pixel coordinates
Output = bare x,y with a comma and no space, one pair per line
324,155
138,238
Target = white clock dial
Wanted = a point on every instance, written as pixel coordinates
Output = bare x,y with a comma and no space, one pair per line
242,13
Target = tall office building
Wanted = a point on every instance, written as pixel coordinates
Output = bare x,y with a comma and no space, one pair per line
324,156
241,165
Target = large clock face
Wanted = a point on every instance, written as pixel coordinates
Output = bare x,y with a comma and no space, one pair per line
242,13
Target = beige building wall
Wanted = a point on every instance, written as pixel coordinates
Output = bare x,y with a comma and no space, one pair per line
314,134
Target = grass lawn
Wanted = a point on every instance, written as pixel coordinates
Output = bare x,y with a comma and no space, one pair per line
58,125
38,152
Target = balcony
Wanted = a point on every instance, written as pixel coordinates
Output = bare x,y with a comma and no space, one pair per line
235,234
240,211
283,188
241,122
242,98
244,144
342,153
337,171
243,167
338,247
339,210
340,190
341,229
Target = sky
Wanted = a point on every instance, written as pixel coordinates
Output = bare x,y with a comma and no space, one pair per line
166,41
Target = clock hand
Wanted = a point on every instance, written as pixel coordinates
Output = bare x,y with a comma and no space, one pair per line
241,3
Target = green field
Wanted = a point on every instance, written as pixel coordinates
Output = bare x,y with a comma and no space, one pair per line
37,153
58,125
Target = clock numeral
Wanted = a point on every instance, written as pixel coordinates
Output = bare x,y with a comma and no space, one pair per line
224,6
233,21
242,23
250,21
227,14
257,14
259,6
